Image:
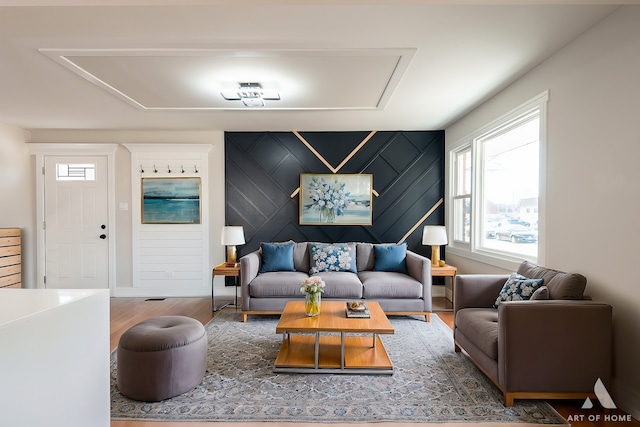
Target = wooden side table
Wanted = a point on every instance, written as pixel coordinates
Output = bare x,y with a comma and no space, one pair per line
224,269
446,271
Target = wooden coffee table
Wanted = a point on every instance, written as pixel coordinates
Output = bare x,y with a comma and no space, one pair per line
320,344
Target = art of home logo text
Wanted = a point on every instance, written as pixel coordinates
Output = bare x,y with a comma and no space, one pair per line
605,400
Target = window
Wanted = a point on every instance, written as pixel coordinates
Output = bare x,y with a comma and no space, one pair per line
509,158
496,186
75,172
462,196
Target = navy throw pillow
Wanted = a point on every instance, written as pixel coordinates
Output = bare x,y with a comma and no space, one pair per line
276,257
390,258
518,288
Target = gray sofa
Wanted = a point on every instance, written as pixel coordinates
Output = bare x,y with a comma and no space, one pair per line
548,348
398,293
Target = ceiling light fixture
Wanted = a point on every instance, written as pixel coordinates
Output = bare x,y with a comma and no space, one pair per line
251,94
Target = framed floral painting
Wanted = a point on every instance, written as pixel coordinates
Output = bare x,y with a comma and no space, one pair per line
335,199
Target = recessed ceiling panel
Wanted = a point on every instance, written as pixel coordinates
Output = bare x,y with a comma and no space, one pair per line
193,79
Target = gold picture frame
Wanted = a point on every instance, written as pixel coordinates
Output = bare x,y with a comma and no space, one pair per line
336,199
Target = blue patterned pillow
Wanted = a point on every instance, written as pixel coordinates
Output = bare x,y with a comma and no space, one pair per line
332,257
517,288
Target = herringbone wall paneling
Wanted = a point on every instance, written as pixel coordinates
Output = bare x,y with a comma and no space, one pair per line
263,170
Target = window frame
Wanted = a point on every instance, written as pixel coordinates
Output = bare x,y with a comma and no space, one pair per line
473,142
458,195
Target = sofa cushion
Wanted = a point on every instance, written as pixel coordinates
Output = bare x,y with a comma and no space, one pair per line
385,284
517,288
341,284
561,285
277,284
541,293
332,257
301,256
482,325
276,257
365,260
390,257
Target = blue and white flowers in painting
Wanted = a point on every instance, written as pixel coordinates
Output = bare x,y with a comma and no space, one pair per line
335,199
329,198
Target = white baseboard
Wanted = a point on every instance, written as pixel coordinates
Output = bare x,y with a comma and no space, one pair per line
438,291
160,293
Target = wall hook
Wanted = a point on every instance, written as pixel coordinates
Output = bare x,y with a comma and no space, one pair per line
168,169
141,170
195,168
181,169
154,169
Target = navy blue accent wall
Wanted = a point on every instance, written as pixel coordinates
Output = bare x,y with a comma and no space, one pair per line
263,170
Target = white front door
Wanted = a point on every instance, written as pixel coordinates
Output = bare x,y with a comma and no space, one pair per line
76,222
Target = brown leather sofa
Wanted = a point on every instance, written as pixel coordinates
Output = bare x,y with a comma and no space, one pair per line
535,349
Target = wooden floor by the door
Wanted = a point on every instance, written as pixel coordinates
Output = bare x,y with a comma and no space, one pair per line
126,312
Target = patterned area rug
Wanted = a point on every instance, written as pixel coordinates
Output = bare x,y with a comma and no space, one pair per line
431,383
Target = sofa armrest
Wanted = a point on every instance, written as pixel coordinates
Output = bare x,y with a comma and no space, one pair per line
554,345
249,268
477,290
419,267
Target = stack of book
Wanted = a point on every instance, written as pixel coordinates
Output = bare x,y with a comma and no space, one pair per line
360,310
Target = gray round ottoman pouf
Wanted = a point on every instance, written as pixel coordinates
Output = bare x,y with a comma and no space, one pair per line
162,357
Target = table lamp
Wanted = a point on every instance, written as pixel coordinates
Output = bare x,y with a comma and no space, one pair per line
434,236
232,235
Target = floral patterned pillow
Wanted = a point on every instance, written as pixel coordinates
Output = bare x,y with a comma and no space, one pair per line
332,257
517,288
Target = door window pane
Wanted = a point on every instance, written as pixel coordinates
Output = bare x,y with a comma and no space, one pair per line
75,172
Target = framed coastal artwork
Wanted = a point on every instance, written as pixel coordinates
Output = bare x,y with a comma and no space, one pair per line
171,200
335,199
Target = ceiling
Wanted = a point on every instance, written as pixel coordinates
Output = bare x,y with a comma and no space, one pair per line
337,65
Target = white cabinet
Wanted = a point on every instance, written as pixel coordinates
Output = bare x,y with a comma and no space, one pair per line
54,362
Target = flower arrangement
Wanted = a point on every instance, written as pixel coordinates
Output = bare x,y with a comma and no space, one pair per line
312,285
330,199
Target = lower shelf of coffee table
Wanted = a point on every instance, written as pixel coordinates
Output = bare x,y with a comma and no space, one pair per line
297,355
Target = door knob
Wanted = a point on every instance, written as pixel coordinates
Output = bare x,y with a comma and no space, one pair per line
103,236
103,226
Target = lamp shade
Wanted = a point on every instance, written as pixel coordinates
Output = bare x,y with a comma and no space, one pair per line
434,235
232,235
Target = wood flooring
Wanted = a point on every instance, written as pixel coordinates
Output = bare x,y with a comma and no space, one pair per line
126,312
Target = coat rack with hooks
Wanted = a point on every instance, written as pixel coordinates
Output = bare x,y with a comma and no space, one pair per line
169,169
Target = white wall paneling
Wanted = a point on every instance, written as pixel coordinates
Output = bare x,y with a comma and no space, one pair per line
170,259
